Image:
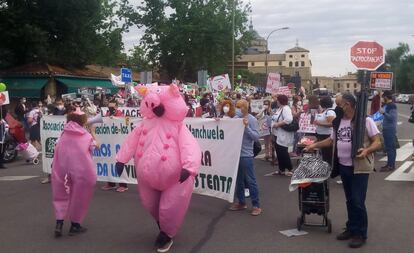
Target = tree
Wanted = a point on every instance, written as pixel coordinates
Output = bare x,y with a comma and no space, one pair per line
394,58
138,59
193,35
68,33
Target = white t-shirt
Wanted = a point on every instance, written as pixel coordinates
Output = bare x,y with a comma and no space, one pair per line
322,118
284,138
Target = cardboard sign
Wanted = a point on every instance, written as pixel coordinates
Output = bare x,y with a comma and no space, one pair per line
256,105
219,83
273,83
4,98
305,125
284,90
381,80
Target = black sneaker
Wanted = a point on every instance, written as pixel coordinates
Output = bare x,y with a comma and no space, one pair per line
164,242
357,242
77,230
346,235
58,230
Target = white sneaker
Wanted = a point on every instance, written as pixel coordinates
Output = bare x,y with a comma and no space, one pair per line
339,182
166,247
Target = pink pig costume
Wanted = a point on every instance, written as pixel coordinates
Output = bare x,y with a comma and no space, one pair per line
73,173
162,147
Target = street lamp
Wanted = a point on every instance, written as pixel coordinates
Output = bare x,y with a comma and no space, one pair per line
267,43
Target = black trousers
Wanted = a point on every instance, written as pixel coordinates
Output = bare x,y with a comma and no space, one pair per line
2,149
283,158
326,152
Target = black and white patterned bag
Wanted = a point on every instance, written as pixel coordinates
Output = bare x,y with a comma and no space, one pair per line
312,169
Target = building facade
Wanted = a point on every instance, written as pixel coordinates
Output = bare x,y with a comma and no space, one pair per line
348,83
292,61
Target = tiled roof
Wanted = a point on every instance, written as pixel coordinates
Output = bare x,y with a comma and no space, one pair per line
296,50
260,57
41,69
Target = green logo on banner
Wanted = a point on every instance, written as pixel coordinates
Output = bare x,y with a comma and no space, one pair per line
50,147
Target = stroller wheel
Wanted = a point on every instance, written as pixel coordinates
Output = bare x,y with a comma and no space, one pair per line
35,161
329,223
299,223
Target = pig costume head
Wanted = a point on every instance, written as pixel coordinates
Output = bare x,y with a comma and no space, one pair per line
162,102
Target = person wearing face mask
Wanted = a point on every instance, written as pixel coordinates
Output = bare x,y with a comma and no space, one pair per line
354,170
113,111
227,109
59,107
245,175
323,122
33,119
266,115
297,110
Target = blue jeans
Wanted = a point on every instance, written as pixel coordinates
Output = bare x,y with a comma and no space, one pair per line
389,143
247,179
355,187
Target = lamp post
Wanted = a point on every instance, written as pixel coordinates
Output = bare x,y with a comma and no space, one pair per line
267,43
232,47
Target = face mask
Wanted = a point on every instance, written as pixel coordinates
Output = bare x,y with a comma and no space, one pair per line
40,105
24,101
239,113
60,107
111,110
299,103
265,107
226,109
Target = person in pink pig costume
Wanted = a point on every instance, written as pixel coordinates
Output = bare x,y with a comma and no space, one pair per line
73,173
167,158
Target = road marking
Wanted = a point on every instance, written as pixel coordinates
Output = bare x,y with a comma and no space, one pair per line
404,140
404,173
16,178
399,123
404,116
402,153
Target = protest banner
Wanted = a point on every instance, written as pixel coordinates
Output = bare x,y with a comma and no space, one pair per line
305,125
381,80
127,111
4,98
273,82
256,105
219,83
283,90
220,143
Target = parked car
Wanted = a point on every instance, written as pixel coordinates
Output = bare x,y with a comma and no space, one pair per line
402,98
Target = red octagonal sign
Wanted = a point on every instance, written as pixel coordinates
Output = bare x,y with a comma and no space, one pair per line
367,55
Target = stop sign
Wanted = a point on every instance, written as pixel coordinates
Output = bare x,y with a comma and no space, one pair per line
367,55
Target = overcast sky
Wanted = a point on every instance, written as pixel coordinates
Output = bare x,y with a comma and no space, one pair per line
328,28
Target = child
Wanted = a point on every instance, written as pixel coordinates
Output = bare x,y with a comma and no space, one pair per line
73,173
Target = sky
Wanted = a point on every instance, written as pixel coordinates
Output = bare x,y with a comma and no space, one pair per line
327,28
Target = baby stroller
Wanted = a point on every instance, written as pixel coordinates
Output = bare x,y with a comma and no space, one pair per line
311,180
29,152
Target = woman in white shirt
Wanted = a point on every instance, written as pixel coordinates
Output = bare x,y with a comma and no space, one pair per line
323,122
284,138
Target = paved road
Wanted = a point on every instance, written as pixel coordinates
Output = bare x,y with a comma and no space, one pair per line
118,223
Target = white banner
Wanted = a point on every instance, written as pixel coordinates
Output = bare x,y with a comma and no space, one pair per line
220,142
273,82
283,90
218,83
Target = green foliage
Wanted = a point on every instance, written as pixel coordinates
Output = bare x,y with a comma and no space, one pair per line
183,36
401,62
68,33
138,59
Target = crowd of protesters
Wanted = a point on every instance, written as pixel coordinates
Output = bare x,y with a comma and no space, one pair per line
333,137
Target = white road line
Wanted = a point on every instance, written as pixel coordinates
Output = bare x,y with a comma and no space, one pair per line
16,178
404,140
402,153
399,123
404,173
403,115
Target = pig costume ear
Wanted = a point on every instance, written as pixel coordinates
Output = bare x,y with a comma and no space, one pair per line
175,91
